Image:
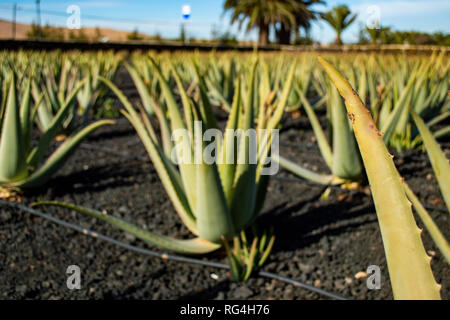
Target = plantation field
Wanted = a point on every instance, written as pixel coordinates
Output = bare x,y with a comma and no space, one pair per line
65,139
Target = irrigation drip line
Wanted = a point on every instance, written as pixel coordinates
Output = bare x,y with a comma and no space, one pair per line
166,256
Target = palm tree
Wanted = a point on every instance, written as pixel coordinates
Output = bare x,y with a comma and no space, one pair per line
339,18
262,14
303,17
378,35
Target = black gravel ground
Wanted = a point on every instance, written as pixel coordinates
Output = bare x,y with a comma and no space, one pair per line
321,242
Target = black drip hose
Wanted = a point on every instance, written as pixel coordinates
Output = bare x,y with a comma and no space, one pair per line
166,256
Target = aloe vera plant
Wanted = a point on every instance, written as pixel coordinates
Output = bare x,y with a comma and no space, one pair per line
92,95
342,157
392,85
408,264
216,201
22,166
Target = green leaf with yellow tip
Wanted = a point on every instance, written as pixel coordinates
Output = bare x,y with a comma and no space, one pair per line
408,264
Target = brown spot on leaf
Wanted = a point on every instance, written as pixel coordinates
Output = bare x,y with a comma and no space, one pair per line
351,117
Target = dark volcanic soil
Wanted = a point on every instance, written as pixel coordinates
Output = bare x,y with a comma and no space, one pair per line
320,242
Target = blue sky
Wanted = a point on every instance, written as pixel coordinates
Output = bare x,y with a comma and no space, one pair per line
164,17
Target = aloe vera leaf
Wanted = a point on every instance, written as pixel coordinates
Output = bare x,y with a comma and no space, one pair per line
442,132
261,191
206,109
13,166
275,119
44,114
235,264
170,178
438,118
432,228
189,246
3,102
244,185
84,96
38,153
438,160
325,179
187,107
212,212
175,116
390,124
218,95
324,147
228,154
187,170
251,259
141,88
25,117
267,251
346,163
408,264
58,158
264,94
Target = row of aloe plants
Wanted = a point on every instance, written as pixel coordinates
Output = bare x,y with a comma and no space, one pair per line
254,92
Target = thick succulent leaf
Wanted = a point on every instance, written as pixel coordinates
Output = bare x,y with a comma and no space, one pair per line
438,160
228,154
205,105
59,157
438,118
3,101
43,111
324,146
442,132
170,178
84,96
26,119
187,168
188,246
212,213
218,95
275,119
432,228
244,186
175,116
346,163
4,97
38,153
13,164
408,264
325,179
141,88
390,124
